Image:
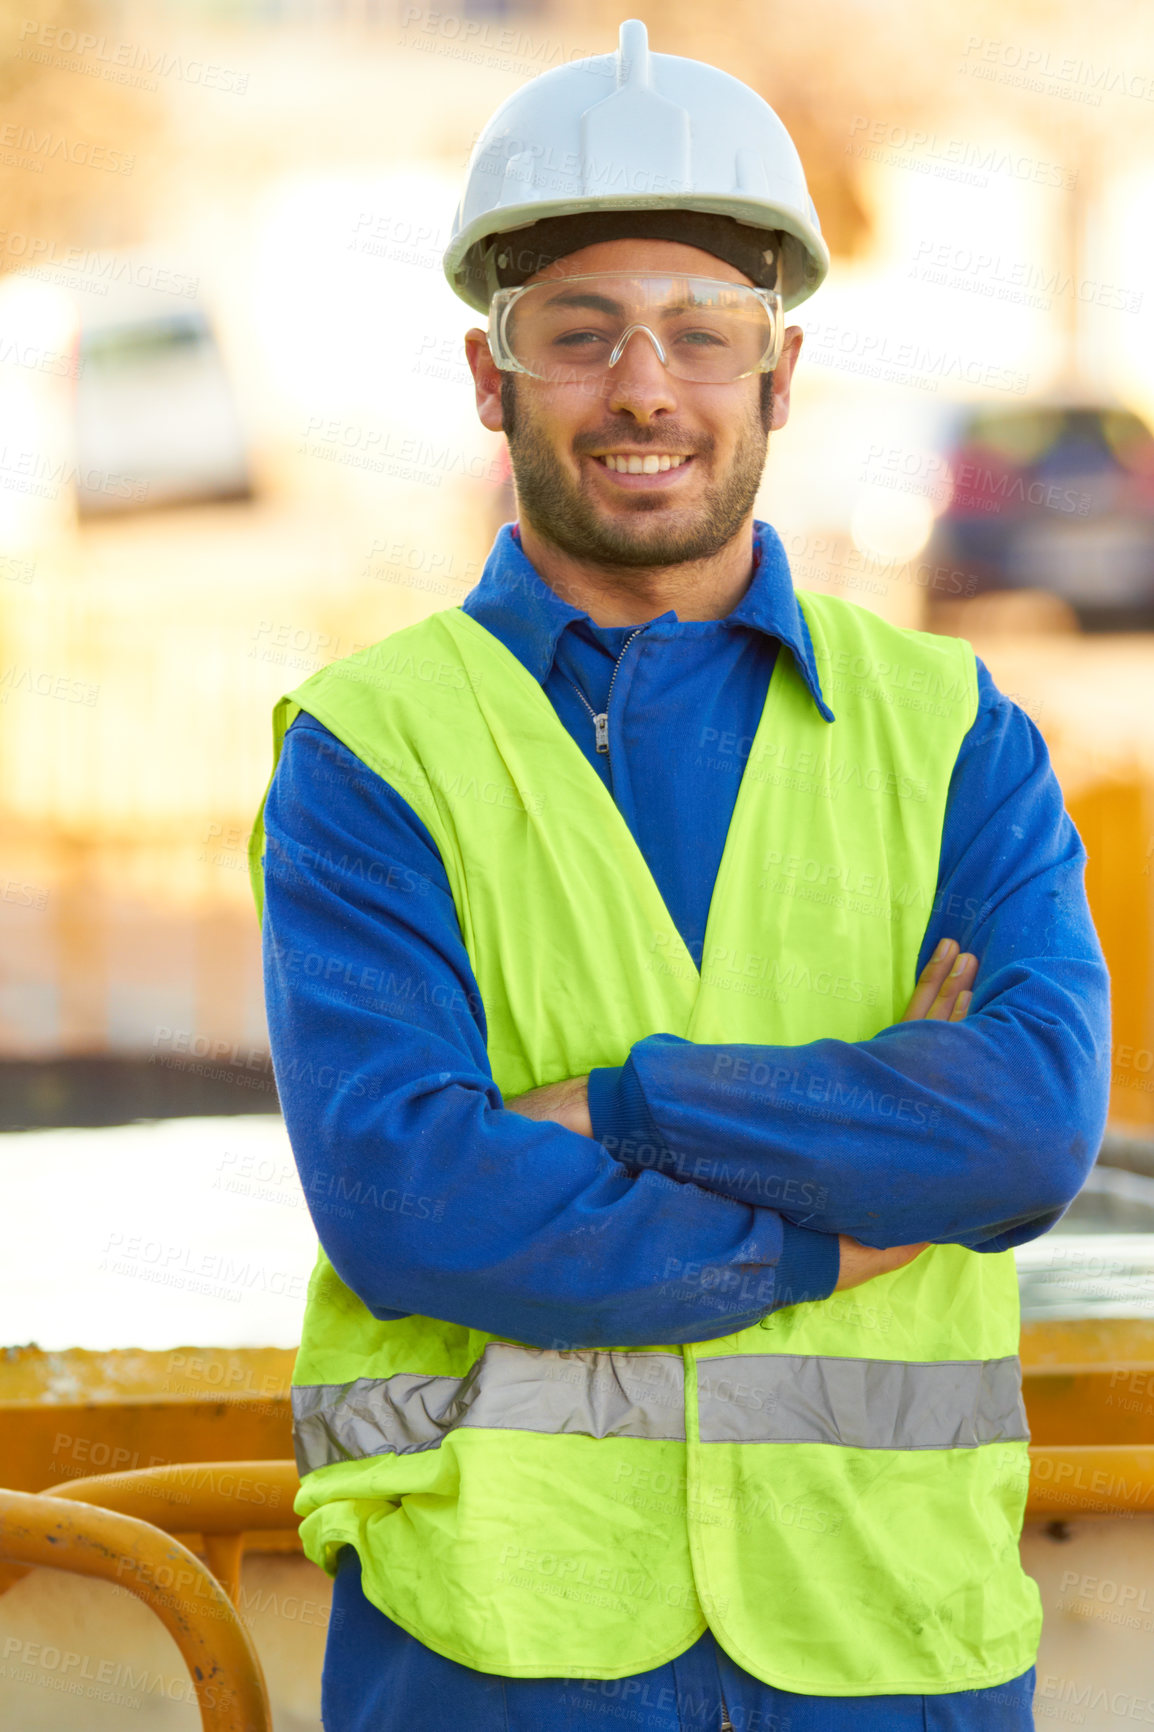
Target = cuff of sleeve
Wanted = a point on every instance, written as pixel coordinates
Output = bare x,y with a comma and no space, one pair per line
808,1266
618,1113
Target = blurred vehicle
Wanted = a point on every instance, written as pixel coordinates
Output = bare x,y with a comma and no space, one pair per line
156,417
1056,497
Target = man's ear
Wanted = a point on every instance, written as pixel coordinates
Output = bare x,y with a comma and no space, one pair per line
783,376
486,378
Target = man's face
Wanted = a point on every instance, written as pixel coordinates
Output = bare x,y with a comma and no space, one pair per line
558,433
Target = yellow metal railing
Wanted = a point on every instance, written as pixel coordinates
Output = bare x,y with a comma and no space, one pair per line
82,1539
221,1500
225,1502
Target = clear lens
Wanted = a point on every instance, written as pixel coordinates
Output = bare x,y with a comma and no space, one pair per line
571,329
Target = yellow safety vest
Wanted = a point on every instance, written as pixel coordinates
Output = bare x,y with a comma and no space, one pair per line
837,1491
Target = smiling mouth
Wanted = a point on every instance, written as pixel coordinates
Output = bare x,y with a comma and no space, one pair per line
653,463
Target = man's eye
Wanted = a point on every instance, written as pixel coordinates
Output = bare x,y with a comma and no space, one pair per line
701,339
576,339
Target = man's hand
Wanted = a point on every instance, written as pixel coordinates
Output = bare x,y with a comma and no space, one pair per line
942,995
567,1103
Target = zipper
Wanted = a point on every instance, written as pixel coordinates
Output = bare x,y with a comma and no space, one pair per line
726,1722
601,720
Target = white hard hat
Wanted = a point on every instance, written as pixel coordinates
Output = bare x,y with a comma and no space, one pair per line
641,132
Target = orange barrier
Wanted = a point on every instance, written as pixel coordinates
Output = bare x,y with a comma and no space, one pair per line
43,1533
1090,1479
1115,819
74,1413
221,1500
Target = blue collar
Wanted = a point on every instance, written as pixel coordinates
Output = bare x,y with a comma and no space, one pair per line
515,603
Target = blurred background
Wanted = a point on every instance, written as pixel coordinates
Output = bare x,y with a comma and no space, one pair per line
237,438
238,441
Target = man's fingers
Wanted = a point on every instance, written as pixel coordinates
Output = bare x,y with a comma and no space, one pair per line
860,1262
959,979
932,977
944,983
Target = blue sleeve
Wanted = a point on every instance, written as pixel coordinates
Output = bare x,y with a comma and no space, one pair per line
426,1194
976,1133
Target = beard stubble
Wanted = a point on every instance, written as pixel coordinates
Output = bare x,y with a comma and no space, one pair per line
563,513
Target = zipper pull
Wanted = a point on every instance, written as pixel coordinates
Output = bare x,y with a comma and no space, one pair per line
601,731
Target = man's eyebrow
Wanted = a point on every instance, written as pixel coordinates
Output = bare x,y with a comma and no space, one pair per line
605,304
596,303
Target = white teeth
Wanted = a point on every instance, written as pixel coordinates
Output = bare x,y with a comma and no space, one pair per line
650,465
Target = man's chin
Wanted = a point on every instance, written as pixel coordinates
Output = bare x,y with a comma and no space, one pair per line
655,546
637,517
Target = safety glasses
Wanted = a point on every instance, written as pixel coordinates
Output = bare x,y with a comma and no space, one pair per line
571,330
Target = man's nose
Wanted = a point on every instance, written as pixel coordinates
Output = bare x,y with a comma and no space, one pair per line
639,384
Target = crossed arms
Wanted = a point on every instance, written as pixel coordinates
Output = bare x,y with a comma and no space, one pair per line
431,1197
943,994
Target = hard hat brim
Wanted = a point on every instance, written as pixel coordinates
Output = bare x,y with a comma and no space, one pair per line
804,264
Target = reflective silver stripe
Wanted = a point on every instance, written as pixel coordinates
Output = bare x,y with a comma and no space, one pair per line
742,1398
861,1403
510,1388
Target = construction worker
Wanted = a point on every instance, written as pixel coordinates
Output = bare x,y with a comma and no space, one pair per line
682,997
